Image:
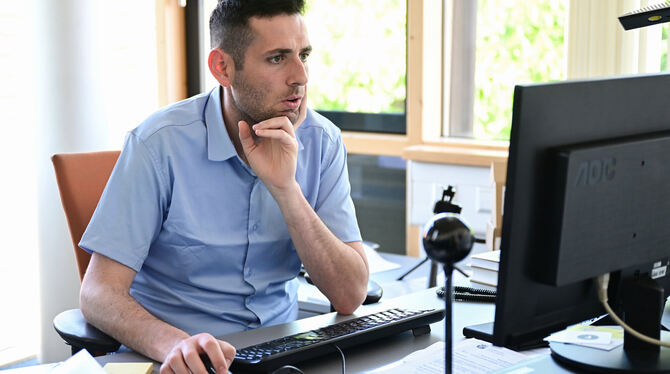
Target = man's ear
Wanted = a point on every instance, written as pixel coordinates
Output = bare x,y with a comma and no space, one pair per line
221,66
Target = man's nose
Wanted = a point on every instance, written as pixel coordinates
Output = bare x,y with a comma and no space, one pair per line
299,73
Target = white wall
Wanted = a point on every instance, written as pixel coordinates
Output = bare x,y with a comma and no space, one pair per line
97,79
68,120
472,185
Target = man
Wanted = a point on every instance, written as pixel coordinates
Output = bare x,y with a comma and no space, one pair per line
216,200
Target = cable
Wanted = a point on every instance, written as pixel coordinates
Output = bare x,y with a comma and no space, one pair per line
287,369
602,282
342,355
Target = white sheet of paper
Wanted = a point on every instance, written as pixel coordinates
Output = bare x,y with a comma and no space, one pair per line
470,356
80,363
376,262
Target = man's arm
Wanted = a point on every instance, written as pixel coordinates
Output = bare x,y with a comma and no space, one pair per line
339,269
106,303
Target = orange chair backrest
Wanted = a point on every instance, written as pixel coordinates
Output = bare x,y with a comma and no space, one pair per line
81,178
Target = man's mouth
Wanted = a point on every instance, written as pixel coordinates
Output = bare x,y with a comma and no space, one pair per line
292,102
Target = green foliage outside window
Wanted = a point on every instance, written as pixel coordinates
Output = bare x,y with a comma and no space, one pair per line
517,42
359,58
358,62
664,53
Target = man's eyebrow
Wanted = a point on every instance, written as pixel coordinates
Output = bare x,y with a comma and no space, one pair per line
285,51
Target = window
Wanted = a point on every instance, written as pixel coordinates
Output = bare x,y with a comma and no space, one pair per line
359,68
513,42
665,48
378,191
517,42
357,72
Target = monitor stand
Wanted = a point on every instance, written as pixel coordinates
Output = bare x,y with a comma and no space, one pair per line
484,331
617,360
643,305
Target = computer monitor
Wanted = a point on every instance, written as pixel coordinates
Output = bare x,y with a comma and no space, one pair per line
587,192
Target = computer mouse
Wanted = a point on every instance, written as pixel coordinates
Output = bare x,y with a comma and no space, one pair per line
288,369
208,364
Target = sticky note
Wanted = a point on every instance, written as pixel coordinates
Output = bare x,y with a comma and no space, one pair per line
129,367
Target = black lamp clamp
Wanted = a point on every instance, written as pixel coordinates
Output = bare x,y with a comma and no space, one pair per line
444,205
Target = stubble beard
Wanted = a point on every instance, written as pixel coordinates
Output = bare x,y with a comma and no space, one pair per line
249,101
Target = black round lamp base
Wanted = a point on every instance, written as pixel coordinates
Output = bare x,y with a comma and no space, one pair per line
614,361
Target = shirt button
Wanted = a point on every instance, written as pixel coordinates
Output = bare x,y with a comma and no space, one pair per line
255,227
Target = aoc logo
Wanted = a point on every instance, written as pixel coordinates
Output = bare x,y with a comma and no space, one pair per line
595,171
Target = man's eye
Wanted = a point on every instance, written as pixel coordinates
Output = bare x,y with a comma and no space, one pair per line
275,59
304,56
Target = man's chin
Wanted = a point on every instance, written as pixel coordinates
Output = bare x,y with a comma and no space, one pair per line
291,115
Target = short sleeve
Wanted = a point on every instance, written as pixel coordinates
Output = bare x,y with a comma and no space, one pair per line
130,212
334,205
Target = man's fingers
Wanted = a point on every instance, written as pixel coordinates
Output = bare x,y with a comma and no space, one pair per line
228,352
275,123
194,362
185,357
175,364
279,135
166,369
244,131
217,356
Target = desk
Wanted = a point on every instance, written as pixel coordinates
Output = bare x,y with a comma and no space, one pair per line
358,359
410,292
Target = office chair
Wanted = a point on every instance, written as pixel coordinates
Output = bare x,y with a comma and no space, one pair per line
81,178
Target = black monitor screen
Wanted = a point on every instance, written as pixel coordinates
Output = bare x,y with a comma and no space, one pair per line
587,192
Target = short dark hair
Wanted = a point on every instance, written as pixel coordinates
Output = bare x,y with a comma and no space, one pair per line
229,23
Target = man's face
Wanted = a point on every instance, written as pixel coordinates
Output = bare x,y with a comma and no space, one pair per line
273,79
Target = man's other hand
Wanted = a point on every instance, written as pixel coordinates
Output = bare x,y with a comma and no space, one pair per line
184,358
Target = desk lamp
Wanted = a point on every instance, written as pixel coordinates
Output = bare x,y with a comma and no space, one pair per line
648,16
447,240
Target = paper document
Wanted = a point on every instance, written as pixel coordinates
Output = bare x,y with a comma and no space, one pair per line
376,263
80,363
311,299
470,356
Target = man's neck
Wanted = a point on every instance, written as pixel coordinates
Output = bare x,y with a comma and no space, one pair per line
230,118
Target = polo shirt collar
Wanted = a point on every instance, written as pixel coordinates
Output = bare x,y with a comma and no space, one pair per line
219,145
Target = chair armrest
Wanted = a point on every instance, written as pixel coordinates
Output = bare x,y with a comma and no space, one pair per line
73,328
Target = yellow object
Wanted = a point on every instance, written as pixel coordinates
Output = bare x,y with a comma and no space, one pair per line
129,367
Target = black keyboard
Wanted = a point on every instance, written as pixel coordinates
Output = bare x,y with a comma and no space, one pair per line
270,355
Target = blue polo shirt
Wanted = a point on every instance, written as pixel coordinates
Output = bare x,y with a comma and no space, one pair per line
208,242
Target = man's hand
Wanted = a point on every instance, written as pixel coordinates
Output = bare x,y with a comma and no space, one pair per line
273,154
185,356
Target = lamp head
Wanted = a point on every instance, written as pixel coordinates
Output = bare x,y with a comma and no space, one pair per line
447,239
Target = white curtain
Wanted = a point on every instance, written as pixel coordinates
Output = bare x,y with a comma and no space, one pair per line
597,45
